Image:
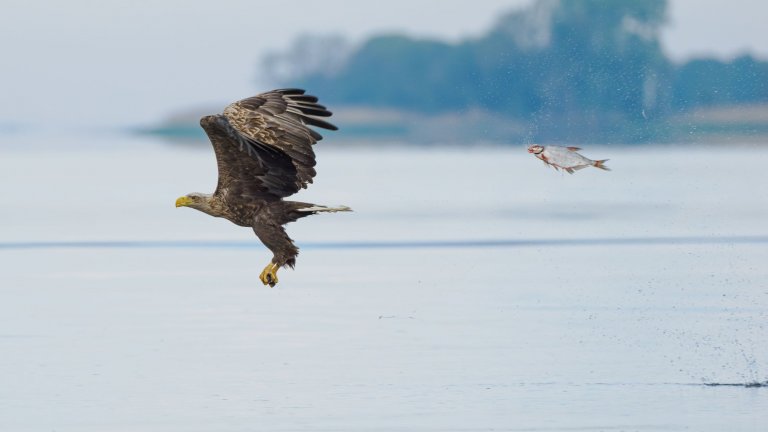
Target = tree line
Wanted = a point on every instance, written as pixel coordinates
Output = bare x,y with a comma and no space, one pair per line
571,67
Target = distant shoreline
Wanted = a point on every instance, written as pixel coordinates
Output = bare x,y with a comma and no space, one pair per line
713,125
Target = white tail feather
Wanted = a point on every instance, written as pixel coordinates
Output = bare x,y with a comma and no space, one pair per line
325,209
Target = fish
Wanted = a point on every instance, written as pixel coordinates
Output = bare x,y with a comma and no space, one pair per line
565,158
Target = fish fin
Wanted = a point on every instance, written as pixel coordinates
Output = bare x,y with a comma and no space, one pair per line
574,148
570,170
601,164
576,168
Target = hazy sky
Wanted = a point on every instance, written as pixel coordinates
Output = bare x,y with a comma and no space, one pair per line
93,62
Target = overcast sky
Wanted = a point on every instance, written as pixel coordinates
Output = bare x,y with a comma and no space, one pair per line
94,62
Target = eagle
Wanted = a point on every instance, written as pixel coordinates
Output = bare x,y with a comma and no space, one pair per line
263,147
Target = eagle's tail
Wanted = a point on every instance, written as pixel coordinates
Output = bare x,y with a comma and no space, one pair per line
318,208
290,211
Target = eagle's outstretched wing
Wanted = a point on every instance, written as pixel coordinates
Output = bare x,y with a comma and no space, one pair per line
263,144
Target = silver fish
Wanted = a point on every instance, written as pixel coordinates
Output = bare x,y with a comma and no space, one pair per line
565,158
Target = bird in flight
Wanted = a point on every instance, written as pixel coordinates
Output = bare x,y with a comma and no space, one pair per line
264,154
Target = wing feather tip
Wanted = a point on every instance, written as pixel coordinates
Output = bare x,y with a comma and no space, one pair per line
290,91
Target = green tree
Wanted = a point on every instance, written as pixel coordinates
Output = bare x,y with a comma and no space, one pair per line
574,69
706,82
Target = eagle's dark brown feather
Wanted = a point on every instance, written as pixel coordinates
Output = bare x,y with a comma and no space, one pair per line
277,120
263,147
250,173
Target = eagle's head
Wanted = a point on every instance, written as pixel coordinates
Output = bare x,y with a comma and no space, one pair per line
535,149
196,200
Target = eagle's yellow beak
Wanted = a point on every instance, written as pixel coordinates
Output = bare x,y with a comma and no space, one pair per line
183,201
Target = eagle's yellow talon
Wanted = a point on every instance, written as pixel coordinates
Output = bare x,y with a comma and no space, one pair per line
268,276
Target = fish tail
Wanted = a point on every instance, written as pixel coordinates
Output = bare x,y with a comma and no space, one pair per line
601,164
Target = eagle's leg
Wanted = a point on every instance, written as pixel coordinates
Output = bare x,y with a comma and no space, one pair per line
268,226
269,274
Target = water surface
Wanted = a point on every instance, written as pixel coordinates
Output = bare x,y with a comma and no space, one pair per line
471,290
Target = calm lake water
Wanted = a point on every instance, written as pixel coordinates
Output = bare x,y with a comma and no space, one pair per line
471,290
